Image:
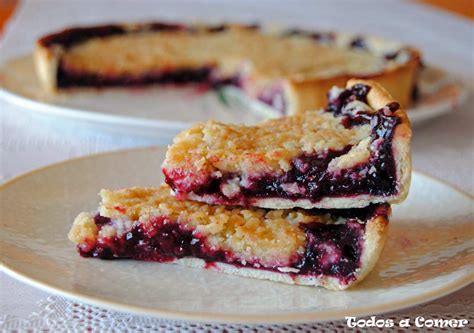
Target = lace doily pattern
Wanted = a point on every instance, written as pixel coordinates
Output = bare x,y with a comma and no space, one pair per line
57,314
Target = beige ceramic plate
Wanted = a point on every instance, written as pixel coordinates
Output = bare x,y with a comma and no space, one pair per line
428,253
161,113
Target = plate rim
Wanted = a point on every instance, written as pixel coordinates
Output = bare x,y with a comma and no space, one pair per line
46,108
209,317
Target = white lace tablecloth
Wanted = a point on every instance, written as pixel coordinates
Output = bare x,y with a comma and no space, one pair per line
443,147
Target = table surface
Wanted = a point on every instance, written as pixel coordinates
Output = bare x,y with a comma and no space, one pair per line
444,147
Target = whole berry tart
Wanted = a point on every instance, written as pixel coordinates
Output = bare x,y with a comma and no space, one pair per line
353,153
289,70
331,248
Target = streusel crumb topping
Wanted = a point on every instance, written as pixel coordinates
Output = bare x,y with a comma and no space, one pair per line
273,236
268,147
269,55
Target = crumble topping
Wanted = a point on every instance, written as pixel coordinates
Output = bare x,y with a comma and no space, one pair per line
266,148
357,155
268,55
355,107
231,188
84,229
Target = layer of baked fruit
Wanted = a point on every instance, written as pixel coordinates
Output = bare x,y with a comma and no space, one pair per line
332,248
353,153
258,62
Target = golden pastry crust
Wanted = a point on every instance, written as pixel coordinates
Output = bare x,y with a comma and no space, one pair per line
274,239
304,68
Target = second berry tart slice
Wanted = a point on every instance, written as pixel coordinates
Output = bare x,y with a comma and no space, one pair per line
351,154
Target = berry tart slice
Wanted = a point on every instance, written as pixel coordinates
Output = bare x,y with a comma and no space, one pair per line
330,248
353,153
289,70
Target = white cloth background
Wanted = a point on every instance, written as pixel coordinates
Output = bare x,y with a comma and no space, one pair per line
443,147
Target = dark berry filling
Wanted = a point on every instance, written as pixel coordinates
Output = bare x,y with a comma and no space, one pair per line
392,55
309,177
358,43
207,76
73,36
70,78
162,26
357,92
331,249
161,241
274,96
336,249
326,37
415,93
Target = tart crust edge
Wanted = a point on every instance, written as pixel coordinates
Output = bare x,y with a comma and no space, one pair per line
378,97
311,94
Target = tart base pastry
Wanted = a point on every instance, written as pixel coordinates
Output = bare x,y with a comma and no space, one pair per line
329,248
290,71
353,153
